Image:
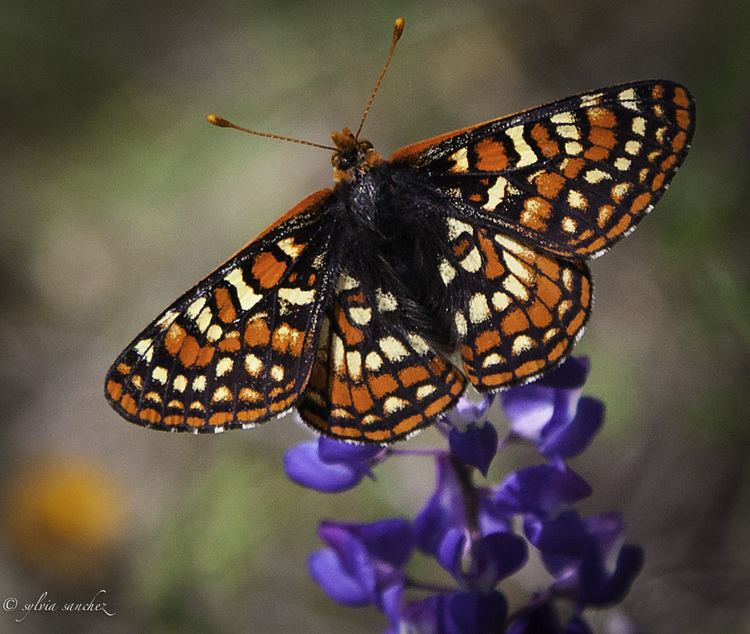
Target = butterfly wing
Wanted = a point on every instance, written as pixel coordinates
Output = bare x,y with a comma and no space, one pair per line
521,309
573,176
237,348
374,379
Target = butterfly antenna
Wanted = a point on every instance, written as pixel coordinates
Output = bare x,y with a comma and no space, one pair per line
398,29
221,122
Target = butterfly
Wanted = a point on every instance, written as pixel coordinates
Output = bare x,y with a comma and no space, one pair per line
369,306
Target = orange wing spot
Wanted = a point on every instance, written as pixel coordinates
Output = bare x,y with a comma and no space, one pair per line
549,267
620,227
657,91
575,325
114,389
467,352
224,303
174,338
267,269
549,147
128,404
602,137
461,248
219,418
437,406
680,97
549,184
361,399
585,292
514,321
174,419
205,355
358,298
288,340
352,335
679,141
535,213
573,166
351,432
189,351
149,415
250,395
602,117
668,162
382,385
311,279
683,118
250,415
124,368
486,341
657,182
558,351
406,425
378,435
491,156
340,394
195,421
594,246
257,332
640,202
458,384
547,291
475,198
280,406
231,342
596,153
540,315
493,267
414,374
497,379
530,367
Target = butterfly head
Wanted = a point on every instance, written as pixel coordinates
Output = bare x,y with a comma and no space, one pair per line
352,156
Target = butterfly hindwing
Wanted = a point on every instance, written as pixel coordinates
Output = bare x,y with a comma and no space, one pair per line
237,348
522,309
573,176
374,380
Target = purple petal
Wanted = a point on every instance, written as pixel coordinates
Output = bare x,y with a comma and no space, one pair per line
304,466
476,446
541,620
388,540
498,556
577,625
599,588
492,519
390,602
443,511
568,438
528,408
331,450
473,612
468,412
352,554
327,569
454,553
570,375
541,490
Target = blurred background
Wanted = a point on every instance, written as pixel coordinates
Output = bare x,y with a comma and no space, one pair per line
117,196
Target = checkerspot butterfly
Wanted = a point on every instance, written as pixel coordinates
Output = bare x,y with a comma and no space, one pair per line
471,244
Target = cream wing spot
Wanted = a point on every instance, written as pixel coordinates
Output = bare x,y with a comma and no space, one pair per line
373,361
199,383
159,374
253,364
246,295
526,155
521,343
224,366
392,348
180,383
479,311
195,308
360,315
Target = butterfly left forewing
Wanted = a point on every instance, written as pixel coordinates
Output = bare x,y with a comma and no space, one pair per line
573,176
237,348
520,310
374,380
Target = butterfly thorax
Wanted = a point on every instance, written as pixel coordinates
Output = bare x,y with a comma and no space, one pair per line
352,156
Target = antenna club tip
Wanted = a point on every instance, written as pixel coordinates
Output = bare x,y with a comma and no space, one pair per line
398,27
218,121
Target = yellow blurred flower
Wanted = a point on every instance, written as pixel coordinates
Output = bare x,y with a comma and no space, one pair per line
64,517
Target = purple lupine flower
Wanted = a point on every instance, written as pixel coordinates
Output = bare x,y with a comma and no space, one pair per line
543,619
472,439
456,613
579,553
362,563
330,465
552,413
540,490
